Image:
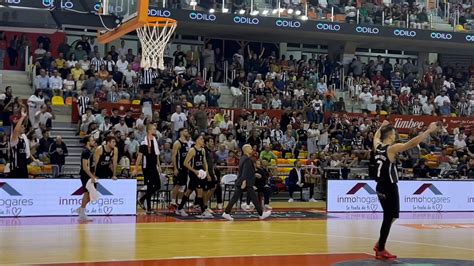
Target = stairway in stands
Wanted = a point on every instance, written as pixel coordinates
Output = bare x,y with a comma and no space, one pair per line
62,125
225,101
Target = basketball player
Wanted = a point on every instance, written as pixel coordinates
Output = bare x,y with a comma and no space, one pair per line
87,166
180,173
20,149
385,154
245,182
211,185
105,159
149,152
195,160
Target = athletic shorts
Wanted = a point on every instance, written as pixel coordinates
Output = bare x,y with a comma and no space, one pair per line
84,179
105,173
195,182
210,184
391,202
181,179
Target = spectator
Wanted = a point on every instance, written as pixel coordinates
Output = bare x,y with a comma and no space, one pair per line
179,121
58,153
298,179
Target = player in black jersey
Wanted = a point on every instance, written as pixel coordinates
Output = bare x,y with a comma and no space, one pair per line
86,172
149,153
105,159
195,161
20,149
386,177
212,185
180,173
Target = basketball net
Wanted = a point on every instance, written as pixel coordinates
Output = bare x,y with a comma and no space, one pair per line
154,36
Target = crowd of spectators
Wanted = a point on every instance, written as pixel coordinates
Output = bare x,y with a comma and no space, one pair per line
305,89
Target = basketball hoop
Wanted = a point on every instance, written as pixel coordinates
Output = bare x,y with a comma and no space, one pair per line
154,36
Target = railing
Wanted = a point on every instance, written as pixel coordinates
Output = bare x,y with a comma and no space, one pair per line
333,14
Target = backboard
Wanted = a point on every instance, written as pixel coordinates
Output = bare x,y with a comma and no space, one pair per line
132,13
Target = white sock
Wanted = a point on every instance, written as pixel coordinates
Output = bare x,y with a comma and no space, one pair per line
173,201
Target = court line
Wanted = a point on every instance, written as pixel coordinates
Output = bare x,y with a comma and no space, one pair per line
199,257
153,227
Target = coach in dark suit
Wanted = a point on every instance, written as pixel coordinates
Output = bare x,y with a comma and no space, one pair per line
297,180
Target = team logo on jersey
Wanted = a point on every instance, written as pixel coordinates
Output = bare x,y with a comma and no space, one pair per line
360,186
429,186
101,189
9,189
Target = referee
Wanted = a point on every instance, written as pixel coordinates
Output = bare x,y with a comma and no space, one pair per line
245,182
147,79
386,177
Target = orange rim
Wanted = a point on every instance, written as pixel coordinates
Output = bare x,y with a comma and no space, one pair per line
160,22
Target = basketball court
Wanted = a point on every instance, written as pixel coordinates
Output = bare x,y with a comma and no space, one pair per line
301,235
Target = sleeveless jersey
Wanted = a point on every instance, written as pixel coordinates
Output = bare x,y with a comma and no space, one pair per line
386,170
181,155
198,160
19,155
103,165
87,155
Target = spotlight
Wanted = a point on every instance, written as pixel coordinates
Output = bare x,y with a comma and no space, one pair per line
298,12
254,13
304,17
225,10
274,11
282,9
290,11
193,3
212,10
242,11
265,12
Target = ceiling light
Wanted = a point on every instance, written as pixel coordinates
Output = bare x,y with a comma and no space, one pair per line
304,17
212,10
298,12
265,12
193,3
242,11
290,11
254,13
274,11
225,10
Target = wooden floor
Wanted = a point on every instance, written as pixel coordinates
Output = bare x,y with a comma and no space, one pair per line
165,241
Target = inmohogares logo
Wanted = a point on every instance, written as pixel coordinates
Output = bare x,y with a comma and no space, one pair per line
9,189
470,38
429,187
14,2
101,189
427,198
361,197
13,203
104,205
360,186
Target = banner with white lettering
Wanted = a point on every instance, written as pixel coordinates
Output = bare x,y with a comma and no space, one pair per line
415,196
49,197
